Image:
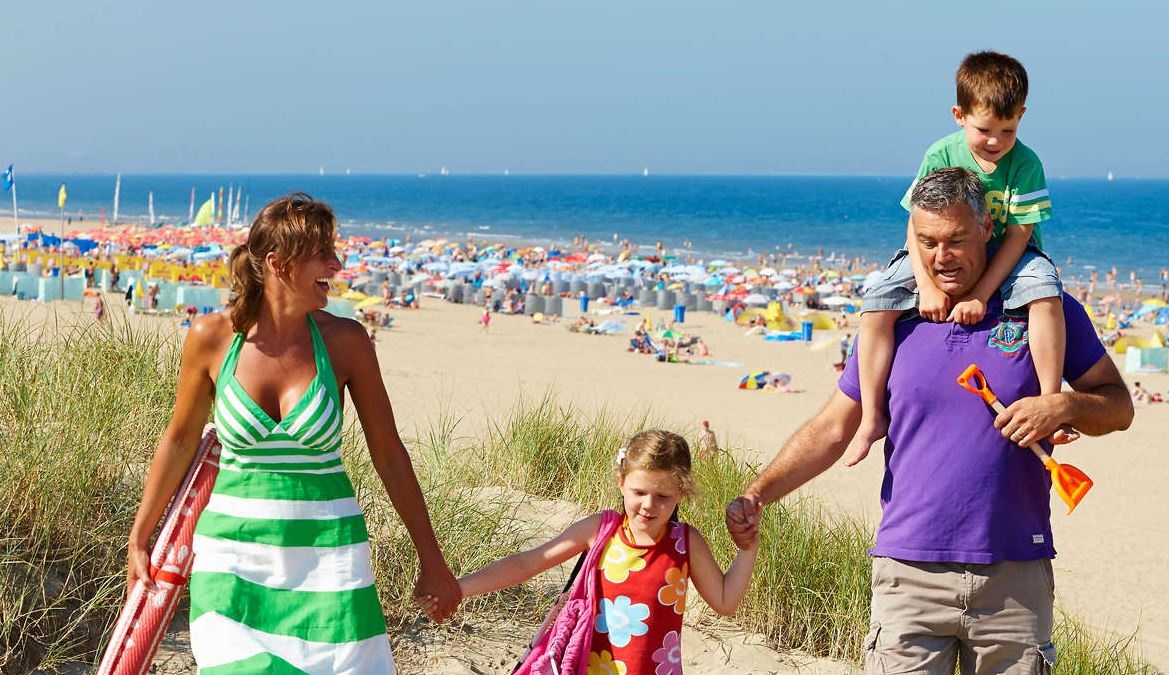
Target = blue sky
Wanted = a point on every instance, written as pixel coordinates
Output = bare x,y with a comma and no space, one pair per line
554,87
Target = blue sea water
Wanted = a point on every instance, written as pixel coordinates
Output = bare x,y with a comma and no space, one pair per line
1097,223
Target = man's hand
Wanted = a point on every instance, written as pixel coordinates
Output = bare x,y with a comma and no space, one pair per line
437,592
742,516
932,304
1032,419
970,311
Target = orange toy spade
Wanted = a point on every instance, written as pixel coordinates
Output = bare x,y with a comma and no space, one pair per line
1070,483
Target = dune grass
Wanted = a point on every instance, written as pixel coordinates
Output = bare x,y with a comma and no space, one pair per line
81,410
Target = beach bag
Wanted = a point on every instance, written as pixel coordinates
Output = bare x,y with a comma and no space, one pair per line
562,643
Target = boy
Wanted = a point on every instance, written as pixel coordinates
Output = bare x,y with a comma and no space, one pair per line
992,93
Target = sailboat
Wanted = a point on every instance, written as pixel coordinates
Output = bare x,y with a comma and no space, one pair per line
117,196
1110,176
206,215
234,220
321,171
150,206
645,170
444,171
191,208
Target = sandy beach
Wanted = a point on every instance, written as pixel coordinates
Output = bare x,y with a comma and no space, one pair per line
435,361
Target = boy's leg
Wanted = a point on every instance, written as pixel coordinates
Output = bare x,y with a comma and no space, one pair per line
874,359
1035,283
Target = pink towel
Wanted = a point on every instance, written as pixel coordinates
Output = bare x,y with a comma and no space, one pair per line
562,645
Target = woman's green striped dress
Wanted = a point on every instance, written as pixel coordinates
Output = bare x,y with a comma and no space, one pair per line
282,581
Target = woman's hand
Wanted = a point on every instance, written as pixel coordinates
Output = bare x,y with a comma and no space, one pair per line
138,568
437,592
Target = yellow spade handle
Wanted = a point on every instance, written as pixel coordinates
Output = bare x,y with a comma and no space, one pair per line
1043,456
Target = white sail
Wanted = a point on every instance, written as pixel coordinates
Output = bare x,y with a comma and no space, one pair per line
191,209
235,209
230,199
117,196
150,206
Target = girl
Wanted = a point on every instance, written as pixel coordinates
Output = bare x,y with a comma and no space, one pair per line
646,566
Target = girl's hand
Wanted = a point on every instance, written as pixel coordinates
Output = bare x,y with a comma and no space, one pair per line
742,518
138,568
429,606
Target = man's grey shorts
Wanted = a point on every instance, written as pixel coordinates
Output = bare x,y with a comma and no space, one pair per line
991,618
1033,278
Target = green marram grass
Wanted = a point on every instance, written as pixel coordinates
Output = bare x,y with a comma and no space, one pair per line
81,409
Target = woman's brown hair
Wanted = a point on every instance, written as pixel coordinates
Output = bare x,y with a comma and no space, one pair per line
295,227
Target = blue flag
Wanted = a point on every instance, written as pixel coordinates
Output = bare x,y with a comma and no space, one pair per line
9,178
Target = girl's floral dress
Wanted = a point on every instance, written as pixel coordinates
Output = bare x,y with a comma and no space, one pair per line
643,594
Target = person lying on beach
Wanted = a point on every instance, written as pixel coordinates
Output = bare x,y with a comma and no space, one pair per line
646,567
991,100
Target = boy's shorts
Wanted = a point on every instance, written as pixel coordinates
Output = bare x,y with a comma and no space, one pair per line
1033,278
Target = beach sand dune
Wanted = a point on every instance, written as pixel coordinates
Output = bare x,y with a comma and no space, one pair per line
435,360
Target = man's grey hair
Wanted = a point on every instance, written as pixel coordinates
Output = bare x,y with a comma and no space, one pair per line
946,187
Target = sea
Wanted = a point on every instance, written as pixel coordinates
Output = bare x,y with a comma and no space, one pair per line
1097,224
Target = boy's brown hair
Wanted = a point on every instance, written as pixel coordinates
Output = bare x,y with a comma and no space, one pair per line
994,81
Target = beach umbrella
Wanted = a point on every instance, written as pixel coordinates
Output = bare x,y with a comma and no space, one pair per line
716,263
731,270
669,334
756,299
837,301
754,380
368,302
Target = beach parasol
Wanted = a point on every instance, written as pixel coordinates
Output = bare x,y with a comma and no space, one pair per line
755,380
369,302
669,334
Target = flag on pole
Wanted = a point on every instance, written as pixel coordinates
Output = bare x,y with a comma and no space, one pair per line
9,178
61,196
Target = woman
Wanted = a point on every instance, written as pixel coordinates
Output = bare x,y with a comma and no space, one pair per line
282,573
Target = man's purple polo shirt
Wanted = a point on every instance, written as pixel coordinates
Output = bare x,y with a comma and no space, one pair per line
955,490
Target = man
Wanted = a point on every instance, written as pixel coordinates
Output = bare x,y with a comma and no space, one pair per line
962,561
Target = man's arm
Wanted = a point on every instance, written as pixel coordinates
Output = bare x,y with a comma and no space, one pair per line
811,450
1099,405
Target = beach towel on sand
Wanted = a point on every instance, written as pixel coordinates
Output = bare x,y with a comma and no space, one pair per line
561,645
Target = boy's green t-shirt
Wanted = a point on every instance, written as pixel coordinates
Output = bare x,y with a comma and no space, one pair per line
1016,192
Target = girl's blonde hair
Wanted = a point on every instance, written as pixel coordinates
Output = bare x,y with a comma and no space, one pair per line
295,227
657,450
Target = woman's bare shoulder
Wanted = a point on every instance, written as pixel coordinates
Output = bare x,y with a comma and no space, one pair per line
348,344
211,330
